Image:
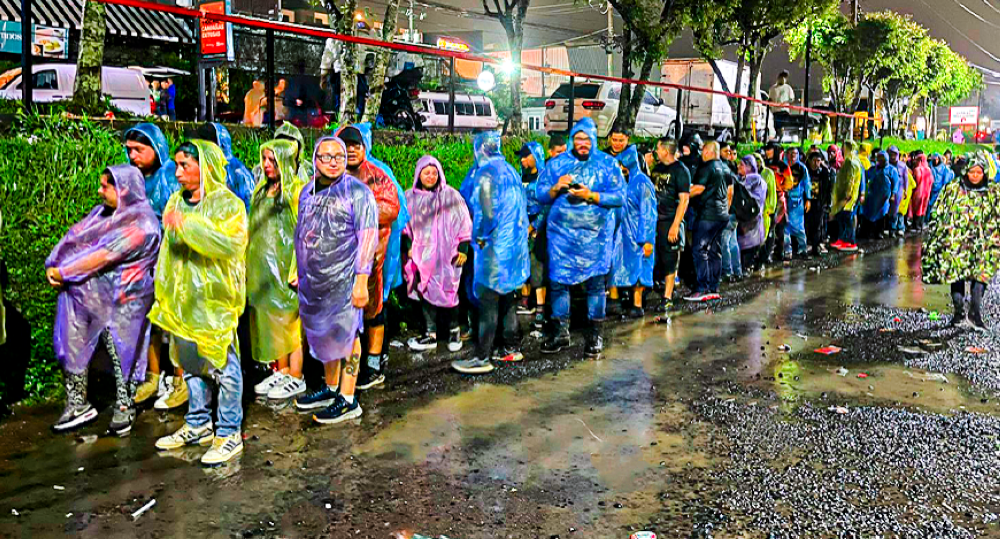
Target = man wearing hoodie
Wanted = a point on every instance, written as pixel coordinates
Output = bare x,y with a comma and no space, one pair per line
239,179
583,187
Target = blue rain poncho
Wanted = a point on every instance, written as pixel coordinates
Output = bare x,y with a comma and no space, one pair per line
581,234
162,183
899,187
536,210
879,182
638,225
335,239
496,201
392,270
943,175
796,198
239,179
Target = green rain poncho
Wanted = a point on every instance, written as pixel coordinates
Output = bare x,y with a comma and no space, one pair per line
771,198
201,271
275,330
848,184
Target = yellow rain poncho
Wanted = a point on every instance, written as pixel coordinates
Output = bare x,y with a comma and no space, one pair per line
201,271
865,155
771,199
847,186
275,330
911,183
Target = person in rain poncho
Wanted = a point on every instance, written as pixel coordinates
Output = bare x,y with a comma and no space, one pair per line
798,194
387,196
148,151
834,157
750,234
275,331
532,158
922,193
910,187
768,211
942,177
200,295
103,269
962,246
880,180
499,214
335,242
774,157
638,231
864,155
897,190
583,186
288,131
239,179
821,178
846,195
437,239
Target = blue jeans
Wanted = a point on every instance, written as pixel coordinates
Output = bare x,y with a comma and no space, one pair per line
707,249
731,250
845,222
197,372
595,288
800,241
898,222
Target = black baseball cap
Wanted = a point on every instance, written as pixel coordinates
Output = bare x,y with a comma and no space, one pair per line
525,151
351,135
556,141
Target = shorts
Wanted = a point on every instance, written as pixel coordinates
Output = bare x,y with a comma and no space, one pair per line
668,254
538,276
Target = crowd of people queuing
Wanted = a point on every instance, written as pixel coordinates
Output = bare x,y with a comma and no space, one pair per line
310,246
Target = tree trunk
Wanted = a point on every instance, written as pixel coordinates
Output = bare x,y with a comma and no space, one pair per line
515,41
756,59
87,90
640,91
342,22
622,114
377,81
734,105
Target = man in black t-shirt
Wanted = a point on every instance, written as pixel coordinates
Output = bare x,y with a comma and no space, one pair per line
673,186
712,190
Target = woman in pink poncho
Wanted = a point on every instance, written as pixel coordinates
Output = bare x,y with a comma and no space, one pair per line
922,192
437,240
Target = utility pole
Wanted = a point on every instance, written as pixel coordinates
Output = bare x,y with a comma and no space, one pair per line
805,91
855,11
409,33
611,36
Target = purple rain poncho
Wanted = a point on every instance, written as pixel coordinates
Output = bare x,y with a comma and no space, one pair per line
581,235
439,223
638,225
897,189
751,233
107,261
499,214
335,239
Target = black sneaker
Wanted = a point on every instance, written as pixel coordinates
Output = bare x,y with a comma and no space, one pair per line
320,398
614,308
539,320
634,313
556,343
370,378
338,412
121,421
421,344
472,366
595,345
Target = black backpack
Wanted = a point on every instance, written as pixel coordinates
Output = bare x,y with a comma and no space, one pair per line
745,208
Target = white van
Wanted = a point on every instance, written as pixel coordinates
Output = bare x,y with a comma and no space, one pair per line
127,88
599,101
472,112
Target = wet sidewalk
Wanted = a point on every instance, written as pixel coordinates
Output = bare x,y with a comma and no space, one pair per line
722,423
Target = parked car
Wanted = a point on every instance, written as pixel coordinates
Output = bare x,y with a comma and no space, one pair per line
599,101
472,112
127,88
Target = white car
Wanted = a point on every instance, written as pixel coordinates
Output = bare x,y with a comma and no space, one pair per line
127,88
472,112
599,101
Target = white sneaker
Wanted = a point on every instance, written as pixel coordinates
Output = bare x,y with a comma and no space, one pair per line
421,344
455,341
269,383
289,387
166,384
224,448
187,435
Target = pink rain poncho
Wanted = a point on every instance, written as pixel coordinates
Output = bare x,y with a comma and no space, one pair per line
335,239
439,223
922,192
106,261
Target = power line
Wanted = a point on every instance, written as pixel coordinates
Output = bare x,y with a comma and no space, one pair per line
963,34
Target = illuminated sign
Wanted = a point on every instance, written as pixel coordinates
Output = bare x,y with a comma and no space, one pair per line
963,115
452,44
217,37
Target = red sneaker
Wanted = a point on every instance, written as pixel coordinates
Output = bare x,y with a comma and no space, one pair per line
838,245
849,247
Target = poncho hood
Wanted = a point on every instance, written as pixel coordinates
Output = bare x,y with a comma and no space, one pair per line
486,147
286,156
538,153
316,153
586,125
162,183
750,162
424,162
225,140
630,160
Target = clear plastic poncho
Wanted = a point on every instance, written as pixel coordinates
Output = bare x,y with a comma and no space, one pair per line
943,175
499,218
879,182
392,272
335,239
536,210
239,179
440,222
288,131
163,182
201,272
580,234
106,261
897,189
638,224
275,330
847,186
796,197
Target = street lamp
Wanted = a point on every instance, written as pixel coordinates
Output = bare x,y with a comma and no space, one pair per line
486,80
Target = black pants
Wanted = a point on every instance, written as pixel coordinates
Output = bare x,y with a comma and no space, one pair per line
748,259
437,318
958,296
778,242
873,229
494,309
816,225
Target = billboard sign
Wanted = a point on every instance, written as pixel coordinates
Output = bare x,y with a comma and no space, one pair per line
47,42
217,37
963,116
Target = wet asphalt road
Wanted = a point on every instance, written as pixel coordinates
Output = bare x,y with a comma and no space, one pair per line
723,423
